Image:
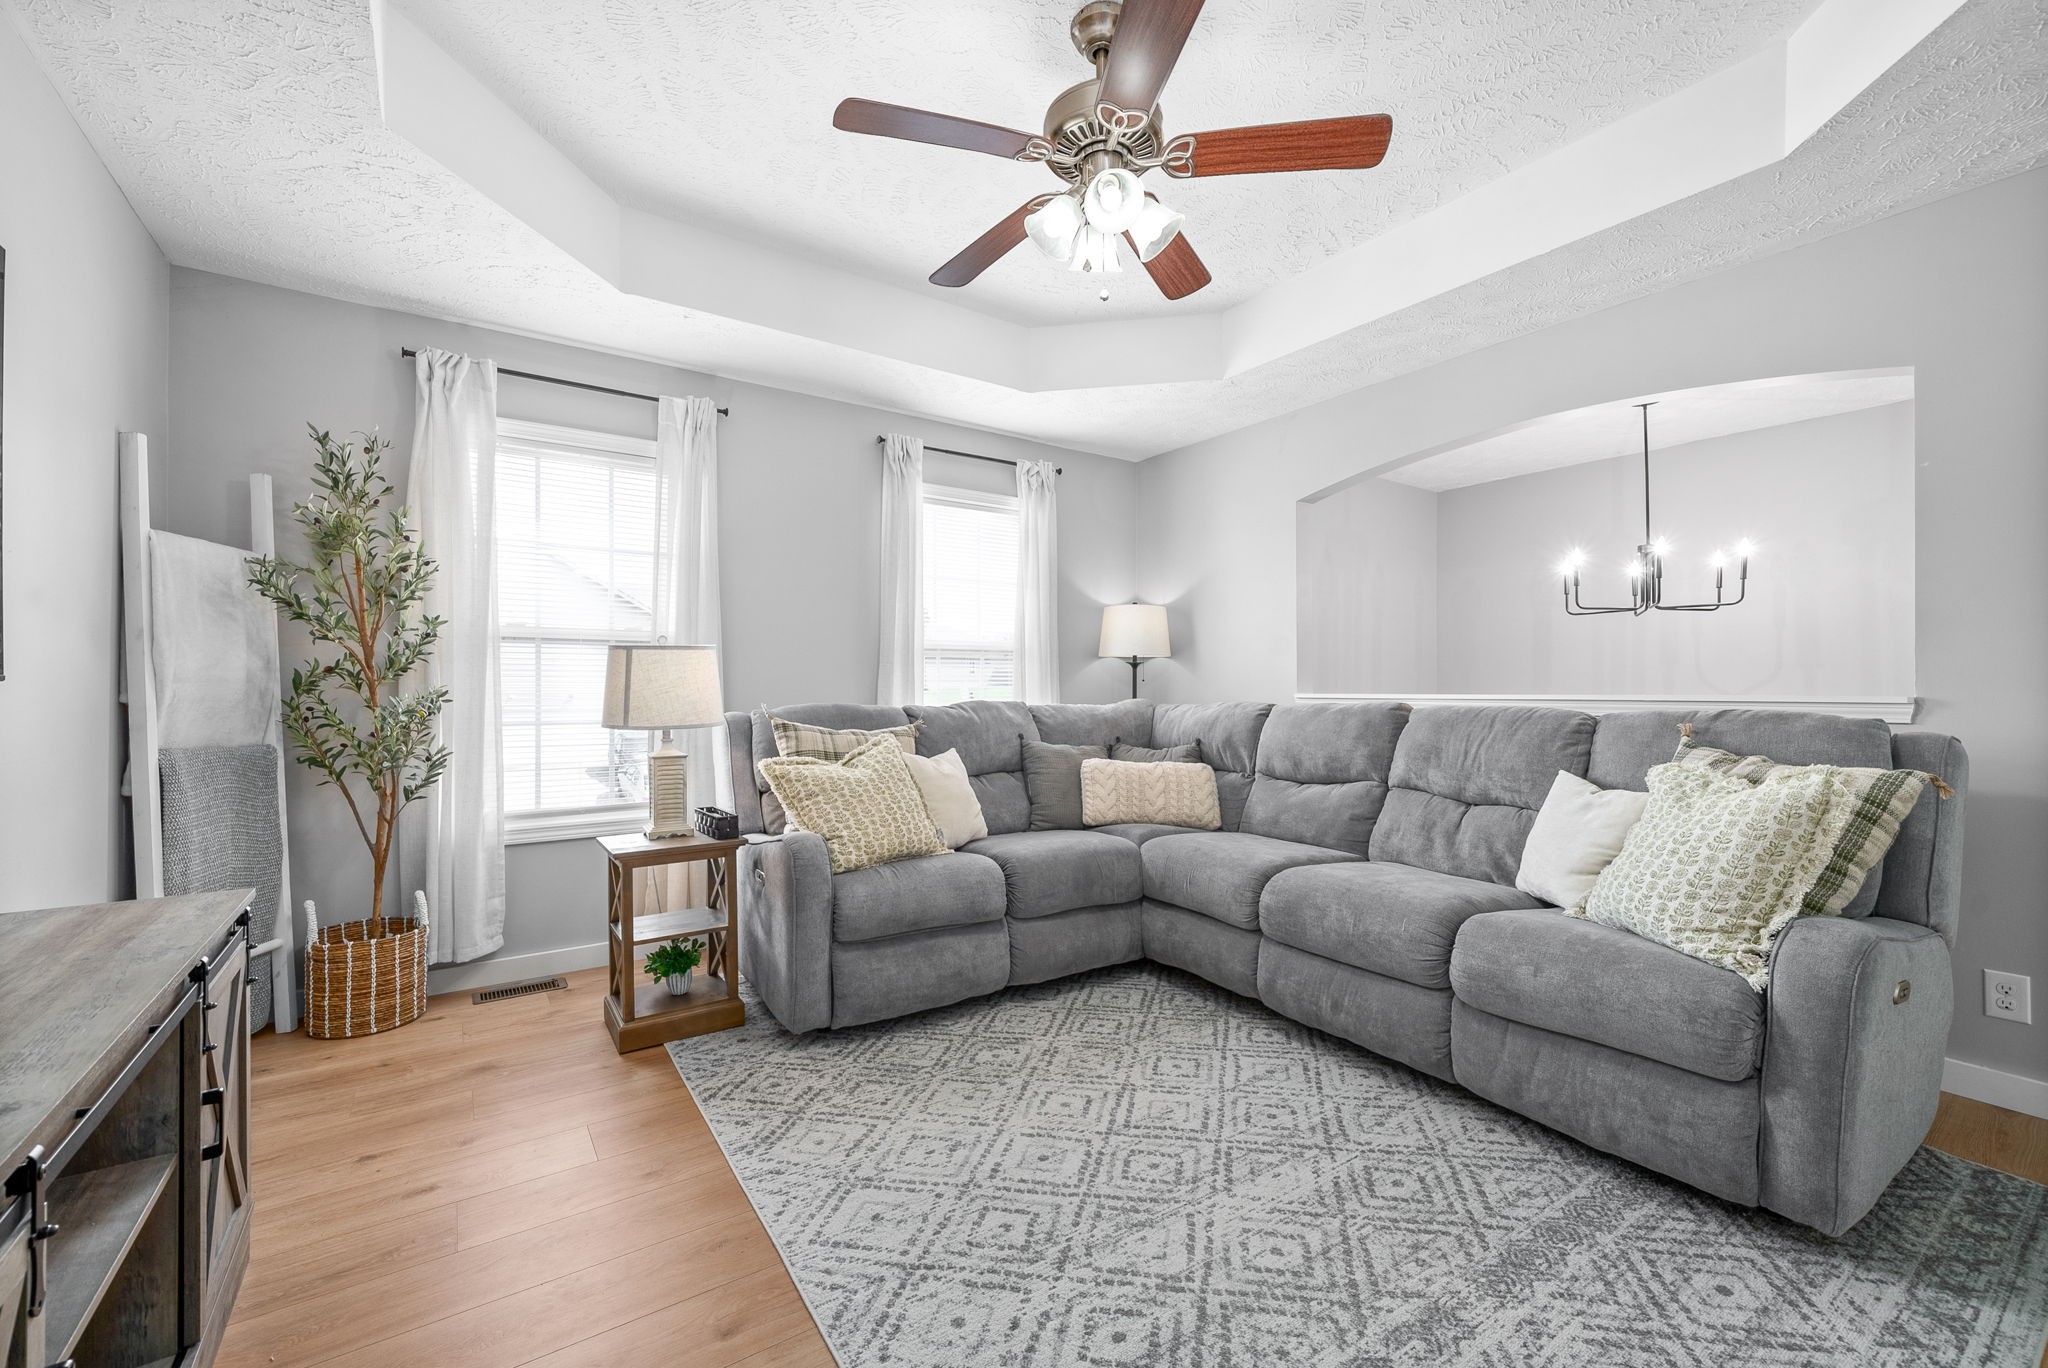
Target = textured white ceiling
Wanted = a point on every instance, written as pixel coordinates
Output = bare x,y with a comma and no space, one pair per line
248,137
1604,431
719,113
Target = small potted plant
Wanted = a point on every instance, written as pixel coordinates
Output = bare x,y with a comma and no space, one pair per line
672,963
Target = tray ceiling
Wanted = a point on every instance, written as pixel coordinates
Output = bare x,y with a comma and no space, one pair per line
660,179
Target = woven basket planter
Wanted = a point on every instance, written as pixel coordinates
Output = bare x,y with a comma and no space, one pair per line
366,976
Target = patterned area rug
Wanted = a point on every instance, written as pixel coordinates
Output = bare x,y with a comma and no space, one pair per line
1134,1167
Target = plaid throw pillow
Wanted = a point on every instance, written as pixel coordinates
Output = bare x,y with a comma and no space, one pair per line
806,742
1882,800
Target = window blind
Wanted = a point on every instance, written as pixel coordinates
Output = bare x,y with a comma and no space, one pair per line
575,572
970,597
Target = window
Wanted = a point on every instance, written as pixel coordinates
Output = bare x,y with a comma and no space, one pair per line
970,595
576,542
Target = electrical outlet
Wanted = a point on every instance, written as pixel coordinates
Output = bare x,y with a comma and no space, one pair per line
2009,997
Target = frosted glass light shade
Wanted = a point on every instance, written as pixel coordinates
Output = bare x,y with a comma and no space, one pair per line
1156,226
1134,629
1095,250
655,688
1114,200
1053,225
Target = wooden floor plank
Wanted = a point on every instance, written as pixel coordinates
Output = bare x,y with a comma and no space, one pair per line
494,1185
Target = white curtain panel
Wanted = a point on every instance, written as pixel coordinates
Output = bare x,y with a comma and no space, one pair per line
1038,582
686,565
452,841
900,676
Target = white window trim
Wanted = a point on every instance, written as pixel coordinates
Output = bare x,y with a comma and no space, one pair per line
586,439
574,824
970,498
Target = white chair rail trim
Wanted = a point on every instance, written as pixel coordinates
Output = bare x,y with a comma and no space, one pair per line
1896,711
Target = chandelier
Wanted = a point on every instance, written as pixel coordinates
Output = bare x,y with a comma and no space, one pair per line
1646,571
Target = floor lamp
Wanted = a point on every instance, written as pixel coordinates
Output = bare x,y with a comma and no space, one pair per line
1132,633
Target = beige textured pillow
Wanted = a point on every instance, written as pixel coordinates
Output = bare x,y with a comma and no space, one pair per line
867,807
1719,865
1171,792
1578,832
948,797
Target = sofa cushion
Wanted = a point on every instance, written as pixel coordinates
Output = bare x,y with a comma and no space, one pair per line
1137,833
1222,873
1597,983
1466,783
839,716
1056,871
1393,919
867,807
1321,775
1229,736
988,734
954,889
1094,724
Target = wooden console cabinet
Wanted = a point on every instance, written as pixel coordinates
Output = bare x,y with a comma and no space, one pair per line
124,1123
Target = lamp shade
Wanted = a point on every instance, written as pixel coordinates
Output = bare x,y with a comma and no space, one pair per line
654,688
1134,629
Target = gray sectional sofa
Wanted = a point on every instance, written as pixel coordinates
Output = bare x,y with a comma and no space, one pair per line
1363,884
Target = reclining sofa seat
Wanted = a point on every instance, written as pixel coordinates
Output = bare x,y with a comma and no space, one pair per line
1362,884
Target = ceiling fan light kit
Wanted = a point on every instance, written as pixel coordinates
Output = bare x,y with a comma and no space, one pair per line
1646,571
1103,134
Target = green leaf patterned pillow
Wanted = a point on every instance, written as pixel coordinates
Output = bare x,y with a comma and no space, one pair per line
1718,865
1883,799
866,806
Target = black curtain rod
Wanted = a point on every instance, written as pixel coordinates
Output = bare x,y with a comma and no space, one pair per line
410,352
976,456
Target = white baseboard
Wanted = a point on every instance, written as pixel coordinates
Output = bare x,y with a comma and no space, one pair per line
2014,1092
502,969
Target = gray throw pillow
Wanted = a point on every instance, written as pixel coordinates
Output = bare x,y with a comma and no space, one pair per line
1052,779
1190,754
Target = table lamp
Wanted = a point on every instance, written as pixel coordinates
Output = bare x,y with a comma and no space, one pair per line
664,689
1134,632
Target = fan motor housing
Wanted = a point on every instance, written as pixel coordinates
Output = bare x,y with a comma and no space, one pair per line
1077,135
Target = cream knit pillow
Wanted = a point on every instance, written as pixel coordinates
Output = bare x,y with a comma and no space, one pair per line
1171,792
867,807
1717,866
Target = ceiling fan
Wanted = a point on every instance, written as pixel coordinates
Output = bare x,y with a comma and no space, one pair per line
1103,134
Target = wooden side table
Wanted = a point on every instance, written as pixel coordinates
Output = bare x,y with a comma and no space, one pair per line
639,1012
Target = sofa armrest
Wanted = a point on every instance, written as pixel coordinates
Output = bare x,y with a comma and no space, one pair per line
786,926
1857,1022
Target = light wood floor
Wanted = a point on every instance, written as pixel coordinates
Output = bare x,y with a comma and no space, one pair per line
495,1186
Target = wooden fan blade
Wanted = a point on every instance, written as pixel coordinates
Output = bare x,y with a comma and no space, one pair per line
1312,145
986,250
941,130
1147,42
1176,270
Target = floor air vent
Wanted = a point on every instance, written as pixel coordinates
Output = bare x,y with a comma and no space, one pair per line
553,983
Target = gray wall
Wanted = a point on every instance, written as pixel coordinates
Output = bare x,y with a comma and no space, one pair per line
1829,503
1367,567
1954,289
799,521
85,357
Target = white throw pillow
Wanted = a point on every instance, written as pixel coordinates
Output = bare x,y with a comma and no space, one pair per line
1578,832
948,797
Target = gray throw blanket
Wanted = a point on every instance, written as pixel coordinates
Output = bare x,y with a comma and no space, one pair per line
220,831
